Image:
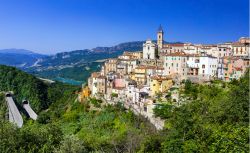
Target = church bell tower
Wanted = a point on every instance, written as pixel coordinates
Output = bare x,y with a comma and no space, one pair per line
160,35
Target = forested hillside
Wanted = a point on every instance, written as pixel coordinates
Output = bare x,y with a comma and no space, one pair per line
214,119
26,86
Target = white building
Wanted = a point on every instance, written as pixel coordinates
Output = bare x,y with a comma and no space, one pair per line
149,50
223,50
92,83
130,64
205,66
191,49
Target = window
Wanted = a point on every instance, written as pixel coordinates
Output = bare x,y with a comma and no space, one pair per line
203,71
203,66
148,48
176,64
172,64
166,64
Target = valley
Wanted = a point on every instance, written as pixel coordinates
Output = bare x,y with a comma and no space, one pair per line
73,67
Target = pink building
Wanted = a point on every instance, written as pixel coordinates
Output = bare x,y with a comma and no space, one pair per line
233,67
119,83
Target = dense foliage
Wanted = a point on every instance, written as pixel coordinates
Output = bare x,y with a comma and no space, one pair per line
30,138
25,86
216,120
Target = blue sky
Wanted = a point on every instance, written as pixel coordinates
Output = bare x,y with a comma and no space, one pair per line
50,26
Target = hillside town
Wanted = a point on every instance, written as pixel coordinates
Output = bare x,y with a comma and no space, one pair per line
142,80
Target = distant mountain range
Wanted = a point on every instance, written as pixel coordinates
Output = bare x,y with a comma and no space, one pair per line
19,57
129,46
72,67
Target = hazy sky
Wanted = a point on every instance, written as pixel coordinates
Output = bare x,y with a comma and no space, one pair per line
50,26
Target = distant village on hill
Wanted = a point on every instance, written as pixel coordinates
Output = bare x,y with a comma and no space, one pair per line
139,79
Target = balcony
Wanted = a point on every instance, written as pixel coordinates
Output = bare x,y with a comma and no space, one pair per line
192,65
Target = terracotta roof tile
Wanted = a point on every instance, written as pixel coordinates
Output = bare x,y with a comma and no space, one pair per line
95,74
238,69
175,54
141,67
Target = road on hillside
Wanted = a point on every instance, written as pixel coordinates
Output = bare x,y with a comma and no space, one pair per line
14,114
11,119
30,111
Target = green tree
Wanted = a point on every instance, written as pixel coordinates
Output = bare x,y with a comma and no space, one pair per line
71,144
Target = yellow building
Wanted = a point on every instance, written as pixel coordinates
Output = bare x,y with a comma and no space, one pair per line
85,93
132,75
131,55
110,65
140,75
159,84
138,54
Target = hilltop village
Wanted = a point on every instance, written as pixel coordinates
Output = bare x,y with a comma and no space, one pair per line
142,80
